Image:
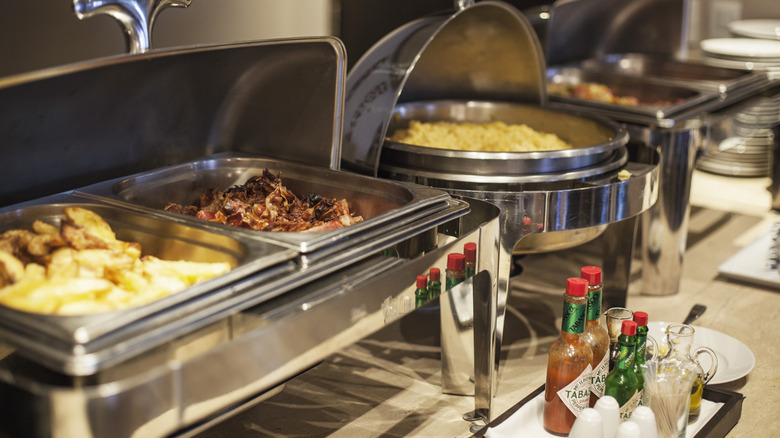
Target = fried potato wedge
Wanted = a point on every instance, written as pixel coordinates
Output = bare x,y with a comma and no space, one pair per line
83,268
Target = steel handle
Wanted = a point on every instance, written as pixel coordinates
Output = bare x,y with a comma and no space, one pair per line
135,16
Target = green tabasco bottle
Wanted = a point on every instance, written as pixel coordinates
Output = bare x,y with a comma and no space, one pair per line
595,335
455,273
470,265
434,283
621,381
641,342
421,295
567,387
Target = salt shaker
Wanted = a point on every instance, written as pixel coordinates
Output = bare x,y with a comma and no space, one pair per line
587,425
628,429
645,418
610,414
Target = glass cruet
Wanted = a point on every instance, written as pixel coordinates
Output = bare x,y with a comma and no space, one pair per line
679,338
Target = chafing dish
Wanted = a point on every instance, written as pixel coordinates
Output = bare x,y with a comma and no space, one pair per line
122,135
658,69
616,55
382,204
82,344
487,55
655,100
595,141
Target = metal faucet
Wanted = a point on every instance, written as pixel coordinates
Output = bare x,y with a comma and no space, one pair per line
135,16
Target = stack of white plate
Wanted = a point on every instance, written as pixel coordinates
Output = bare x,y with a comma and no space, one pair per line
745,142
755,47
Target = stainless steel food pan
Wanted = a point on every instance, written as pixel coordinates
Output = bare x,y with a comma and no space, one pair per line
674,72
656,100
380,202
69,335
595,140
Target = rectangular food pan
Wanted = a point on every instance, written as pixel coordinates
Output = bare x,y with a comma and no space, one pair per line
656,100
379,202
675,72
157,236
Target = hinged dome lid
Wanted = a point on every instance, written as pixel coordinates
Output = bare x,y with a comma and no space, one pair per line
485,51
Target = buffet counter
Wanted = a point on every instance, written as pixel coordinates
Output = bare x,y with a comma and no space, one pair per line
389,384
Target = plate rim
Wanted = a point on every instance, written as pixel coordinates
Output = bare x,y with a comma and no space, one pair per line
736,27
734,41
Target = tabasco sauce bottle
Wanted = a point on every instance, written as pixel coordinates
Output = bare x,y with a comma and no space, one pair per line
434,283
470,263
595,335
567,388
621,381
421,295
641,347
455,273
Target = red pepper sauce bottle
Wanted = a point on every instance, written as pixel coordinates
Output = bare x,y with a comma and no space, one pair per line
434,283
595,335
470,251
567,388
640,318
421,295
455,273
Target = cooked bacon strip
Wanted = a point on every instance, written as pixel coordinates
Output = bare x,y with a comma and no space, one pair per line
263,203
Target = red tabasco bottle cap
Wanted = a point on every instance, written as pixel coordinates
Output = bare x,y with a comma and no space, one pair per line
470,251
422,282
629,328
591,273
640,318
435,274
577,286
456,262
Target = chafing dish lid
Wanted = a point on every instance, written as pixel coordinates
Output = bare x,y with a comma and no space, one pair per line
486,51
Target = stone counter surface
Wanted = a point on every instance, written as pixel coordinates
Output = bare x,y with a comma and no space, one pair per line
388,384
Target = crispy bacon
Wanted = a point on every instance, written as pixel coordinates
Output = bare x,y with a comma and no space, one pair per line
263,203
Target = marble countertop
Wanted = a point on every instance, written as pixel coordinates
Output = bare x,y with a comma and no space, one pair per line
388,384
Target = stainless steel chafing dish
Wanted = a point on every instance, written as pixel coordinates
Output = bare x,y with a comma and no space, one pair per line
616,56
194,118
484,62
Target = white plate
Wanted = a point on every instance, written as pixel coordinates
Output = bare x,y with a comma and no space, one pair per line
769,29
735,360
752,264
743,48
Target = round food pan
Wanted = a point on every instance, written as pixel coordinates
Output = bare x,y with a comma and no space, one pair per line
594,140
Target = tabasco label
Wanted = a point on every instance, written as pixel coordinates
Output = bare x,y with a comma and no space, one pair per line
576,395
599,377
573,318
594,304
627,409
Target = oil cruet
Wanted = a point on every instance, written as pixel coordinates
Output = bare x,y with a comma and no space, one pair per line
679,338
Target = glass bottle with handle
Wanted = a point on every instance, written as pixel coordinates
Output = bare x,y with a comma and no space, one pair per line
679,338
